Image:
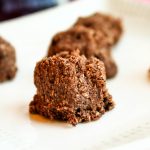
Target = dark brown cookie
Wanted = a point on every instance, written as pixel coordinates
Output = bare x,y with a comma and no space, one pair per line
110,27
7,61
77,37
110,65
83,39
71,88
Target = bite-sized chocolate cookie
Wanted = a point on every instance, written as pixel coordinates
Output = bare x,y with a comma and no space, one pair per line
110,27
83,39
7,61
77,37
105,55
71,88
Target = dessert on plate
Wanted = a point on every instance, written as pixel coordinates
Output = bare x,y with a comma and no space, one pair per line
71,88
7,61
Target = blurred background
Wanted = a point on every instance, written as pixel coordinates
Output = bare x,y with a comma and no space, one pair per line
14,8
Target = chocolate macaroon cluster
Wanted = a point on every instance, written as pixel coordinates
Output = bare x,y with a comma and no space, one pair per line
93,36
71,80
7,61
110,27
71,88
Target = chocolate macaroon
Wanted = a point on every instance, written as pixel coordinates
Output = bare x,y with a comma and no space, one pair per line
84,39
71,88
7,61
111,27
78,37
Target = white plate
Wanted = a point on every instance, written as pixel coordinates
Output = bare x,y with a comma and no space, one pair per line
128,122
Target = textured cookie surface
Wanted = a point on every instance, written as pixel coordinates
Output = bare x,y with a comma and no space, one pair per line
7,61
71,88
77,37
110,27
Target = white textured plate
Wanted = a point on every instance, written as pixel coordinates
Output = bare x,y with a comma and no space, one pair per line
122,127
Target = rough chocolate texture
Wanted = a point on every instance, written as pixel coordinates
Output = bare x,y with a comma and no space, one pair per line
7,61
84,39
71,88
110,27
77,37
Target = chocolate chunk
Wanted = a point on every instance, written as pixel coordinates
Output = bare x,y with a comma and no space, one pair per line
7,61
71,88
110,27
